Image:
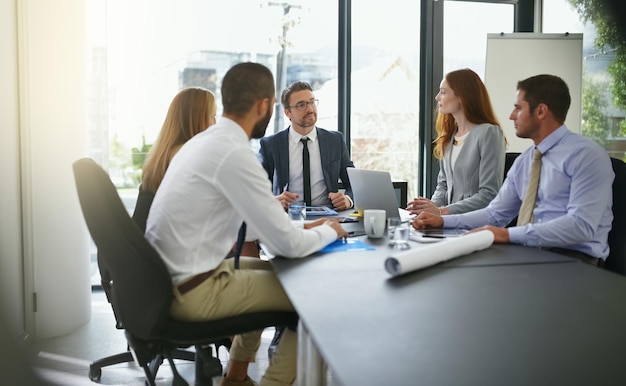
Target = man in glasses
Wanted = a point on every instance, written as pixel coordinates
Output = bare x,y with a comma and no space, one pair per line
305,162
285,155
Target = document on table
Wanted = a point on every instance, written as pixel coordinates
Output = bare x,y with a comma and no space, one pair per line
403,262
347,245
313,211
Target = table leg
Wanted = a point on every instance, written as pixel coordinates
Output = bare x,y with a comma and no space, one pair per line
311,366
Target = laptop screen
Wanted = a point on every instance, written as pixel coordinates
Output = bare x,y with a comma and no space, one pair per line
373,189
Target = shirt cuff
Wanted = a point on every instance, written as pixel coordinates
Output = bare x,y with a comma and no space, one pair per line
517,235
450,221
327,234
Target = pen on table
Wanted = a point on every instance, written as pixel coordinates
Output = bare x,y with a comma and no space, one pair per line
434,236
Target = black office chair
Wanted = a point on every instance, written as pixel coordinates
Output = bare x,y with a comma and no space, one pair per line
211,366
142,208
509,158
139,287
616,261
400,187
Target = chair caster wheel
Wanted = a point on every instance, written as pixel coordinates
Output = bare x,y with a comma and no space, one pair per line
207,366
212,368
179,381
95,373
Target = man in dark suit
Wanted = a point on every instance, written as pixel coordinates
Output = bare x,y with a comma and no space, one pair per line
281,155
282,158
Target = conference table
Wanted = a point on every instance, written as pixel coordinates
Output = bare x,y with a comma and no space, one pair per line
506,315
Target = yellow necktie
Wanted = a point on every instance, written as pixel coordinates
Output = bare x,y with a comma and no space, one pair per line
528,205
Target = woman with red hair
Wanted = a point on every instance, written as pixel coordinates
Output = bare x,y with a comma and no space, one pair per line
470,146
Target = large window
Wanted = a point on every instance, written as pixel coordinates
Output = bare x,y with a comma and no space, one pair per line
143,52
385,88
603,115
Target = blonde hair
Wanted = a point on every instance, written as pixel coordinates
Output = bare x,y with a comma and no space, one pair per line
477,108
191,111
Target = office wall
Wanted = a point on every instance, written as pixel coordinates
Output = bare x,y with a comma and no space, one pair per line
516,56
44,242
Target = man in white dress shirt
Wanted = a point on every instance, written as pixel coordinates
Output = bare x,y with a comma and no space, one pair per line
213,184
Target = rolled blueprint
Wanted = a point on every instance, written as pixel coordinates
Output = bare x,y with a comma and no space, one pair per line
403,262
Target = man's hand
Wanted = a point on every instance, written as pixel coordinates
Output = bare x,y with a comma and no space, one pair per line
501,235
286,198
341,233
427,220
313,224
340,201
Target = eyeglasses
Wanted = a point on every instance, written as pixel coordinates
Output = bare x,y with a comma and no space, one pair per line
301,106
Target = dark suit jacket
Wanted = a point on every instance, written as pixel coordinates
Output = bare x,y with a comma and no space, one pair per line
274,156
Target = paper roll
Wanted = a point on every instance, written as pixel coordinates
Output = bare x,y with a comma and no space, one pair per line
418,258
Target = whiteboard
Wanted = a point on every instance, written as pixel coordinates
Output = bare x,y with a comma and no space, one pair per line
516,56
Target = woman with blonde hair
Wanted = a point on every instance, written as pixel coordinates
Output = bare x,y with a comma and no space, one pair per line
470,146
191,111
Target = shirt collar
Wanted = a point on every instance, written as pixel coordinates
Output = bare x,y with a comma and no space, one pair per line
295,136
552,139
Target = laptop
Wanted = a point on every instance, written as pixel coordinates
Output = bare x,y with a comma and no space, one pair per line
373,189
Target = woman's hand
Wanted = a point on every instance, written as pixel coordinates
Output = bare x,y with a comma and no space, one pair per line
422,204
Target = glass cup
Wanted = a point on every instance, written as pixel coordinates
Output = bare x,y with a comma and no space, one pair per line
398,233
297,213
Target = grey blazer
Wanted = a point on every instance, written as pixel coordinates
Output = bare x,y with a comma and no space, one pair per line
274,156
478,172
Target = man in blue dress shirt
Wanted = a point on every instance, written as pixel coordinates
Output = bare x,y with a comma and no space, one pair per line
572,212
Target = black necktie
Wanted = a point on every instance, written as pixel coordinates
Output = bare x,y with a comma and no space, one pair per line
306,171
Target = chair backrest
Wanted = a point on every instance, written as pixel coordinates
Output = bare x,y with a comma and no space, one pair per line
142,208
402,192
134,276
509,158
616,261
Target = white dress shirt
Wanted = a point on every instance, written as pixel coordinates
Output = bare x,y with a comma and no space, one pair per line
319,194
213,184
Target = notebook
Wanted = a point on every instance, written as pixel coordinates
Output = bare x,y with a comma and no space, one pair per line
434,235
373,189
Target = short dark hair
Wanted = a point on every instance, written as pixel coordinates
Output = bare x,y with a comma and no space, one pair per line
295,86
549,90
243,85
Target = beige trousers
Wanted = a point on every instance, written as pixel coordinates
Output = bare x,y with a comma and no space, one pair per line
251,288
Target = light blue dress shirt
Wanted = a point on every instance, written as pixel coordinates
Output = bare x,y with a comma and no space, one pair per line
574,200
